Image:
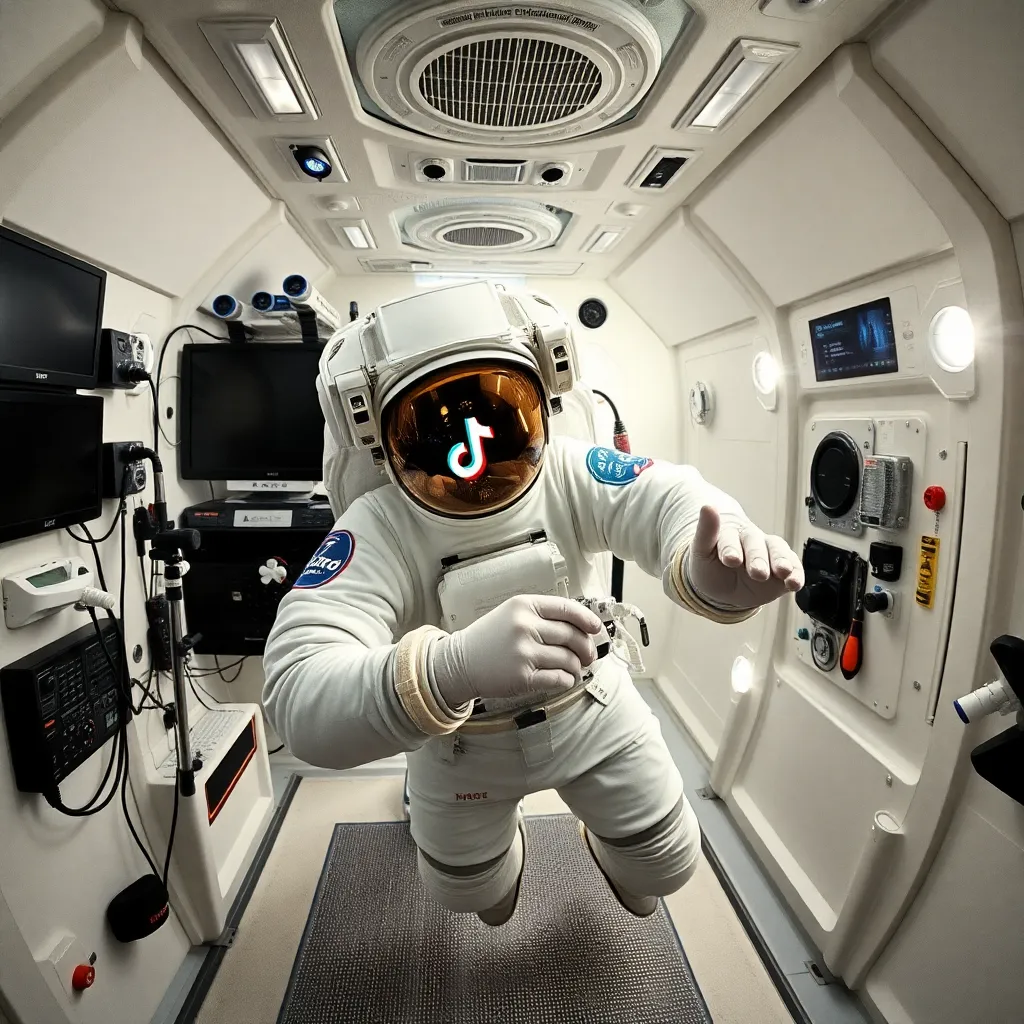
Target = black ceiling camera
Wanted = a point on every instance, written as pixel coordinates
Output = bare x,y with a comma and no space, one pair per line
592,313
313,161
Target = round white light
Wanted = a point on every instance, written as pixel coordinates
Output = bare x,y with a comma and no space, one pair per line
742,674
766,372
951,338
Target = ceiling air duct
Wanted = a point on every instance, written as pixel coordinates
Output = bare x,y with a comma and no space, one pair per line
482,226
506,75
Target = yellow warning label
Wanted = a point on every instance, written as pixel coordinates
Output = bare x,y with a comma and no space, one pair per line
927,571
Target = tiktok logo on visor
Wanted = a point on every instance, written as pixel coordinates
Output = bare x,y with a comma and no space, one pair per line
474,469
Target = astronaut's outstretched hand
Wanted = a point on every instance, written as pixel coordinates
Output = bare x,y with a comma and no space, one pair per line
526,645
731,563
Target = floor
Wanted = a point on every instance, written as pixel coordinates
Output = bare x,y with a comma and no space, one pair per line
732,923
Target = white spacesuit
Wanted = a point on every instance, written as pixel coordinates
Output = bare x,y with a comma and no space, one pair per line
448,393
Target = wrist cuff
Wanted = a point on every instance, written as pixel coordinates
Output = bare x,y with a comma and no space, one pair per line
693,601
412,686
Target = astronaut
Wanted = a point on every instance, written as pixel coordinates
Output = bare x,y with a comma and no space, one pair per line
439,408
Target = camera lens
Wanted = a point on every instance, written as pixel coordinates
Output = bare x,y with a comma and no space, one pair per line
553,174
434,172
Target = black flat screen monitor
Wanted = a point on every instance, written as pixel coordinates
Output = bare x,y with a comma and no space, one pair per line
50,448
855,342
51,305
251,411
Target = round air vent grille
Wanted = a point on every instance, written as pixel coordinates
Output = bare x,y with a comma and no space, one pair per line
478,225
536,73
510,82
483,236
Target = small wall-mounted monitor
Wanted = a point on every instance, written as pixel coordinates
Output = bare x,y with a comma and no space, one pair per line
50,449
51,305
251,411
855,342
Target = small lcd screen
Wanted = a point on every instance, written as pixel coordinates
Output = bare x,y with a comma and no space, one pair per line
855,342
50,309
251,410
46,579
50,449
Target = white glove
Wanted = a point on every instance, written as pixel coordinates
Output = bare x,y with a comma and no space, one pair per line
732,564
531,644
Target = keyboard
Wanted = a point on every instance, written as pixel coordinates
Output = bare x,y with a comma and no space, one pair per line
207,735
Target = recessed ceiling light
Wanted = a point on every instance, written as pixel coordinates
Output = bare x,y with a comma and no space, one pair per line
255,53
603,240
741,73
354,234
951,338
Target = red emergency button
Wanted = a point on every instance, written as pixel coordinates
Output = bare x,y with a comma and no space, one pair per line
83,977
935,498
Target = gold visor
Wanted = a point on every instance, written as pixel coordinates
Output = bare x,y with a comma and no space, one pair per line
468,440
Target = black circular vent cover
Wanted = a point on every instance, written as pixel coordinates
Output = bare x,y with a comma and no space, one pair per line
835,474
592,313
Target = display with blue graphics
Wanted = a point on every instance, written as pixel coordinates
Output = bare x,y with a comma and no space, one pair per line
330,561
855,342
617,468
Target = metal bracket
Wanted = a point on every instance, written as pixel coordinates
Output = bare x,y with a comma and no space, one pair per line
707,793
225,940
819,972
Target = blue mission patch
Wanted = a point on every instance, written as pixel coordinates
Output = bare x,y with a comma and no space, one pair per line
331,559
608,466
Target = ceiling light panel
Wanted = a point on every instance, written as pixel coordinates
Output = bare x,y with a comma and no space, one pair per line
255,53
604,239
745,68
355,234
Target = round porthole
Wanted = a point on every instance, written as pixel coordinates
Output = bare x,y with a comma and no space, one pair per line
592,313
835,474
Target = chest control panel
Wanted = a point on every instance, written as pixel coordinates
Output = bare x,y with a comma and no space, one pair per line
61,705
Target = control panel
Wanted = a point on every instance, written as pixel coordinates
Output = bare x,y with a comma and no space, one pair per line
61,705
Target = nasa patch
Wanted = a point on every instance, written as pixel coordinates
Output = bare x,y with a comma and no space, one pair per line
331,560
608,466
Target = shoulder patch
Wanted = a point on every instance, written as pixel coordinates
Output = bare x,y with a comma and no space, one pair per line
331,560
608,466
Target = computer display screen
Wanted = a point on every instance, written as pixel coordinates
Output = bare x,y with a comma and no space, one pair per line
51,305
50,448
855,342
251,410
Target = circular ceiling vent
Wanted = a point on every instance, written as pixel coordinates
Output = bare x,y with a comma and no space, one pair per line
495,74
482,225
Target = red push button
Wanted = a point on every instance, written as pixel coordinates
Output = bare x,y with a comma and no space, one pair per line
935,498
83,977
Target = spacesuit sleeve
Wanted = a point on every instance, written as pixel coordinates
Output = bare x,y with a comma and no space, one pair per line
331,658
645,511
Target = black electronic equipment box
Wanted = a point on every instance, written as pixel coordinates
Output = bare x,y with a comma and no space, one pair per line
61,705
235,580
833,578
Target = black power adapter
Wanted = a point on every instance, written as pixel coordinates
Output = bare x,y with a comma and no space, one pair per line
115,454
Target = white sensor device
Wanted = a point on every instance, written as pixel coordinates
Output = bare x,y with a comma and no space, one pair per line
304,296
987,699
43,590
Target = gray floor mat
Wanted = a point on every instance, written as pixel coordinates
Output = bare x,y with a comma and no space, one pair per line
377,949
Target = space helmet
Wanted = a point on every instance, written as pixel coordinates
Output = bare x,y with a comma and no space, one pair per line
451,391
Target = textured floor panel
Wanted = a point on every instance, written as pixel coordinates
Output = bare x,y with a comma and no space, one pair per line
378,950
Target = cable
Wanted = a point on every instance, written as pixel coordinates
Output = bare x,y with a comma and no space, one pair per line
174,814
213,497
601,394
276,750
220,671
159,374
193,684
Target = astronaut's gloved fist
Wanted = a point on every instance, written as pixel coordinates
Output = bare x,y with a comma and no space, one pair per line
731,564
528,644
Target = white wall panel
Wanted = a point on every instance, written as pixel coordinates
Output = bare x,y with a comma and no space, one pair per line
736,451
36,37
57,874
279,253
682,294
141,187
957,953
959,66
815,202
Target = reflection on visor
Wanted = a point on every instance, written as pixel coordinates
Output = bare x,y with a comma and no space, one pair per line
468,440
